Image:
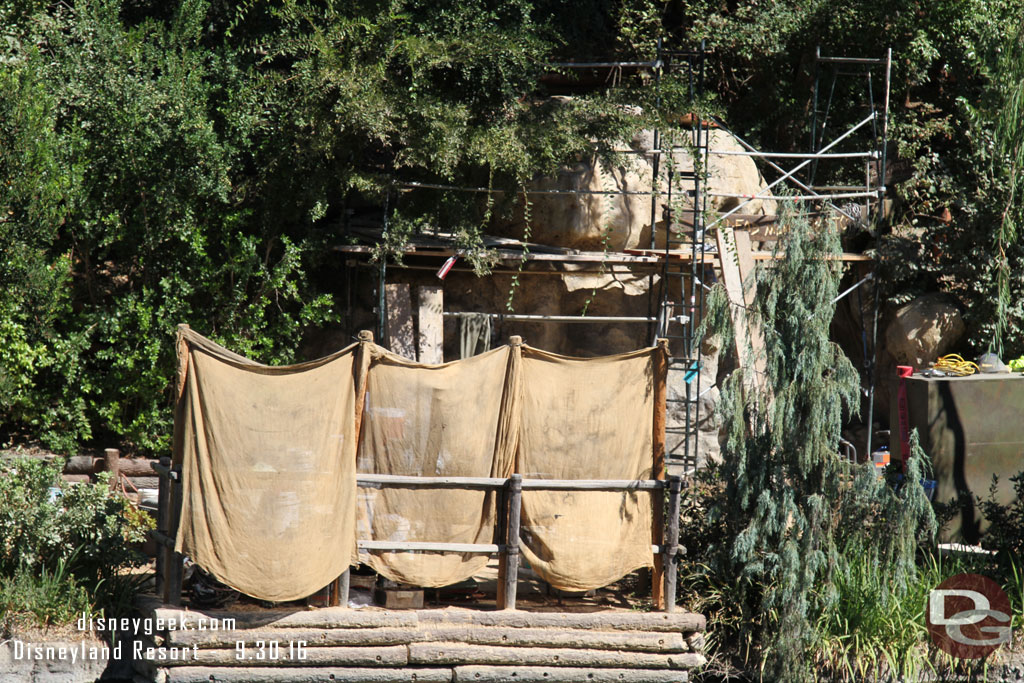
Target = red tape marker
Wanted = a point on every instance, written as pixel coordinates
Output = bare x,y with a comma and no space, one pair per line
903,372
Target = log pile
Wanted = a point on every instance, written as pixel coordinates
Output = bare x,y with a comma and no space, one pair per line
84,468
450,645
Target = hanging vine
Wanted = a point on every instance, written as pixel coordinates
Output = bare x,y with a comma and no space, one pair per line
526,252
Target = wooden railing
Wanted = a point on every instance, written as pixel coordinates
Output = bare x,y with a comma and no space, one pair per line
509,491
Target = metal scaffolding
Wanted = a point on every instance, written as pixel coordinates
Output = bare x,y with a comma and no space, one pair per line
679,257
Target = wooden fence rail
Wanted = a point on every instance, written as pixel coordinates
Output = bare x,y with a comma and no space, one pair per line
509,490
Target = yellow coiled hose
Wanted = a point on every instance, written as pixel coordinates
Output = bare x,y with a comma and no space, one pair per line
954,364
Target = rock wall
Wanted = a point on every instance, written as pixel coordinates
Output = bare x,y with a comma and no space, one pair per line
51,661
588,222
615,222
585,221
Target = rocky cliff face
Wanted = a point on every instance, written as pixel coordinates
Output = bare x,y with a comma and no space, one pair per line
595,222
586,221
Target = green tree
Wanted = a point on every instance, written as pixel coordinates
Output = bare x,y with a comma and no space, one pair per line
198,157
790,500
1007,165
135,176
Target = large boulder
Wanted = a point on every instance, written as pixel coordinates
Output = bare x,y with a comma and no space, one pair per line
623,221
924,329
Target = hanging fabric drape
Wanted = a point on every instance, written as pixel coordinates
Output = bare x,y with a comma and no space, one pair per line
586,419
269,459
433,421
268,462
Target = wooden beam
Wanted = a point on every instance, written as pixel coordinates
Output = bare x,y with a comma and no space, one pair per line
162,539
733,280
404,481
636,641
112,464
511,558
434,654
549,674
163,516
430,327
340,590
341,585
745,257
660,362
686,255
592,485
672,544
406,546
308,674
501,497
130,467
400,329
174,569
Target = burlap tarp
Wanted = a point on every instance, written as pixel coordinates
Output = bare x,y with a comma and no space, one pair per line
586,419
433,421
268,458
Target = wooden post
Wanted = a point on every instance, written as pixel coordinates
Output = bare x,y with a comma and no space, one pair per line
501,498
745,259
340,586
430,324
112,464
735,257
672,542
171,486
173,575
339,590
163,516
658,468
515,502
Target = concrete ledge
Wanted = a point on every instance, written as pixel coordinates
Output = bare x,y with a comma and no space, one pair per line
636,641
677,622
550,674
40,667
343,617
451,644
200,674
457,654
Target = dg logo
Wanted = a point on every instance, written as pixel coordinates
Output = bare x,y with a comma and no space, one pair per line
968,616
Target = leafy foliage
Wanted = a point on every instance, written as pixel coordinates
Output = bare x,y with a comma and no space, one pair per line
47,598
1005,534
62,547
135,197
793,509
191,162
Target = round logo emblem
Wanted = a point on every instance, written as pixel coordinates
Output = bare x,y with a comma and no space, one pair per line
968,616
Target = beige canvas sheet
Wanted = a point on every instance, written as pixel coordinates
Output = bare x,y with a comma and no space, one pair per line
269,460
268,457
433,421
586,419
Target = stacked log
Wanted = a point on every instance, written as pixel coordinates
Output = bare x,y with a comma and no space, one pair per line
84,468
451,645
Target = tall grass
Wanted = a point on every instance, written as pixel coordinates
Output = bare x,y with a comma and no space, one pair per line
46,597
871,634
